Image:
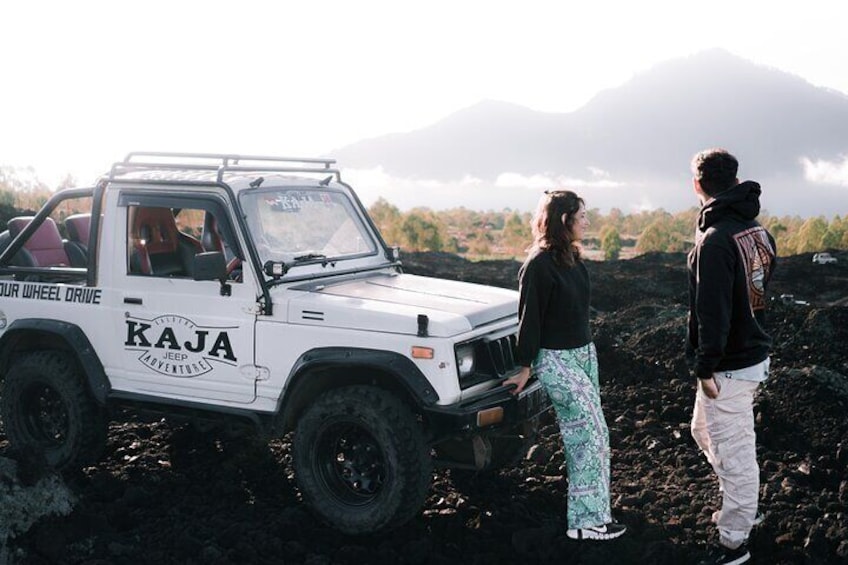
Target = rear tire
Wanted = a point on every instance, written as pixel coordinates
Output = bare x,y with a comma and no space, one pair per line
46,406
361,461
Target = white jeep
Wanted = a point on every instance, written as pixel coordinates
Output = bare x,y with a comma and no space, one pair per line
255,289
823,258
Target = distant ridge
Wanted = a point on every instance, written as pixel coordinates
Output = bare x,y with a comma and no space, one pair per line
642,134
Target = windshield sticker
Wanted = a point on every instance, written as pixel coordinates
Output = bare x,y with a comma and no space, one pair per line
177,347
285,203
53,292
295,201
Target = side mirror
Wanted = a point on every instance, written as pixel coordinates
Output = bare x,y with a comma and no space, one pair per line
212,266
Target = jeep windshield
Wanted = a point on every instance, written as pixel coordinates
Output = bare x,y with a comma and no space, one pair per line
306,226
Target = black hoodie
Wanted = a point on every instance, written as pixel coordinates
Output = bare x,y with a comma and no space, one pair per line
729,270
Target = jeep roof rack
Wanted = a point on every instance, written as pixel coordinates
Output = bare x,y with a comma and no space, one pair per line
221,162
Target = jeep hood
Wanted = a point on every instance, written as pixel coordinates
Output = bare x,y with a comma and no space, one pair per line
393,303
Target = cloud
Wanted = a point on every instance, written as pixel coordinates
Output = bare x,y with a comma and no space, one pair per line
510,190
644,205
378,178
598,179
826,172
468,191
532,182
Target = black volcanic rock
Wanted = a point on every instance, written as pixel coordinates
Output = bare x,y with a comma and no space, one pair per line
166,493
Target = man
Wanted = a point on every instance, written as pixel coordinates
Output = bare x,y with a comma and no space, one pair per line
728,347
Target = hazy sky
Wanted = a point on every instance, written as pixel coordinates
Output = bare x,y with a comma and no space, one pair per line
86,82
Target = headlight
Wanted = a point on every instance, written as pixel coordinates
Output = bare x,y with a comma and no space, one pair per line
465,360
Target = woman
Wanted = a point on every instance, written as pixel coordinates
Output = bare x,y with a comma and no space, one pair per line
554,338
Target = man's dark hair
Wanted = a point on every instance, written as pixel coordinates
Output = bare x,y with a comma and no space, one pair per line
715,169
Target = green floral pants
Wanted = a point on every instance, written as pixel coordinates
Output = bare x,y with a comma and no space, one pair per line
570,377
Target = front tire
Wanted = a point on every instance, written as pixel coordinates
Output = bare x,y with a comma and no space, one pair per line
361,461
47,406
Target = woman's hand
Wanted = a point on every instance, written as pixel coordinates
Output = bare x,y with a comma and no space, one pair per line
519,380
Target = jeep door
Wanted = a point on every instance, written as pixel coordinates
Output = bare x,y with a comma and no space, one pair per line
175,336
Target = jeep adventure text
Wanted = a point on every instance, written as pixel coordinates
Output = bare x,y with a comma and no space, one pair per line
220,287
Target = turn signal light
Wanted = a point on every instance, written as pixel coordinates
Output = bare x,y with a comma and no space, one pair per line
490,416
422,352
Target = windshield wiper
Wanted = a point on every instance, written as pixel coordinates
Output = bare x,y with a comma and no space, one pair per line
309,256
278,269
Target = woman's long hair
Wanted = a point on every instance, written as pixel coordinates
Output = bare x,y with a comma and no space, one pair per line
550,232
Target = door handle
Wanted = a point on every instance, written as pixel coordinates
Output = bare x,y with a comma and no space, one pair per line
129,300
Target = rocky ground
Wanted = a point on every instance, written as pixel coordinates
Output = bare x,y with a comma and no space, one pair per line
167,494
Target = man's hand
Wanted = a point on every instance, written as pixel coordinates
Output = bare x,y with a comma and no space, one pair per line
520,380
709,387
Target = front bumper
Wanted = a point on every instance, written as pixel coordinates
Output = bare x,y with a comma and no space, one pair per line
495,408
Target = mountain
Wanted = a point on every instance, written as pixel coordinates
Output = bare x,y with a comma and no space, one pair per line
642,136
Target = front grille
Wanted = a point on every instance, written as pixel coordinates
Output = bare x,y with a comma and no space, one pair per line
494,359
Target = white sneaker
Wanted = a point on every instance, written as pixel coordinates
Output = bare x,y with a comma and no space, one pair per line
605,532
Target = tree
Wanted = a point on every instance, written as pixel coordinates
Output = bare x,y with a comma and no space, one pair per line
810,235
831,239
835,233
420,233
656,237
776,228
610,243
516,235
69,181
388,220
779,229
7,198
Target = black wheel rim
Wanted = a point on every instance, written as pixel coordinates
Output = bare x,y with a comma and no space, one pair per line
350,463
45,415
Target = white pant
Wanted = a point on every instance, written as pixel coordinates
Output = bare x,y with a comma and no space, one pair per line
724,430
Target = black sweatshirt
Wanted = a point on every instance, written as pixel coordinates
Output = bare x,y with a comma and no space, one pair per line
553,307
729,270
